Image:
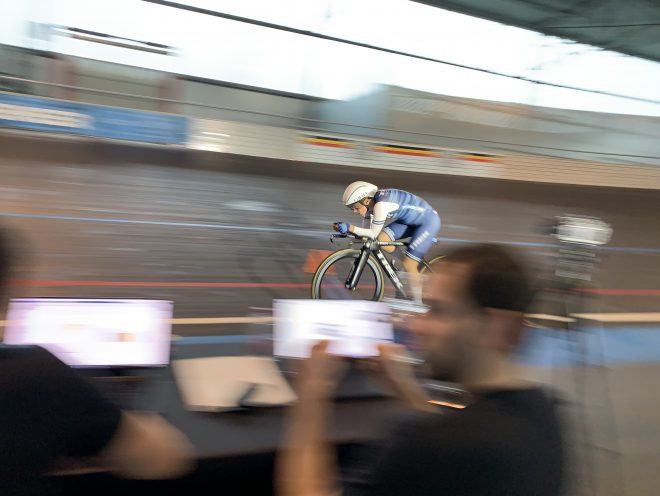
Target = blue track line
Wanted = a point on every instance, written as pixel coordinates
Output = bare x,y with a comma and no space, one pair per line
300,232
297,232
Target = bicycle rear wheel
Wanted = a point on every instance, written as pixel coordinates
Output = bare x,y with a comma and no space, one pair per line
429,266
330,278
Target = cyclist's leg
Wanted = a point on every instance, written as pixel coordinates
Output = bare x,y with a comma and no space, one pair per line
422,239
383,236
414,277
390,233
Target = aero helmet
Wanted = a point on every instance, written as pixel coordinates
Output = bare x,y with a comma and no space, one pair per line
357,191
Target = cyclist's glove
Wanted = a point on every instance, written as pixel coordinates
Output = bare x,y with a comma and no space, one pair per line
341,227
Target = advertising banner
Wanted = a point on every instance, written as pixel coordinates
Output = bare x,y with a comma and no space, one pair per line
44,114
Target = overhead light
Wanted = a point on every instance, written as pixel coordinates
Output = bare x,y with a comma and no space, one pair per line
215,134
108,39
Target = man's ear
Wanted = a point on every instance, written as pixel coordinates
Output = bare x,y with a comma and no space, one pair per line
501,330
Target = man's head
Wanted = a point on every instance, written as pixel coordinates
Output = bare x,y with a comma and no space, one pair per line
477,298
5,265
5,259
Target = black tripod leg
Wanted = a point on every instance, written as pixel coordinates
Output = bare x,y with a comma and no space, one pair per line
604,370
578,337
578,350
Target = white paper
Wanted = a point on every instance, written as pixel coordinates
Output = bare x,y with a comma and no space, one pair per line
218,383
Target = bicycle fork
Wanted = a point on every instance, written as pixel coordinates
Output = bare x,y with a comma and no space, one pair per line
361,261
358,267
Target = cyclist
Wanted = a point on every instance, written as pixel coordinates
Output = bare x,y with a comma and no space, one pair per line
391,214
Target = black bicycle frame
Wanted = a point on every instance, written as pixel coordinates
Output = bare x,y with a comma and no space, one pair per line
391,273
358,266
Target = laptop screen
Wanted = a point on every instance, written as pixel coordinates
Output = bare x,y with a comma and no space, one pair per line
353,327
94,332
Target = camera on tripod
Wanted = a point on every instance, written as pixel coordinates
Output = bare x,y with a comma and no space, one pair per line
578,237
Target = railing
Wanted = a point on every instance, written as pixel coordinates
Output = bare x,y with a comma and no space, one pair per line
306,139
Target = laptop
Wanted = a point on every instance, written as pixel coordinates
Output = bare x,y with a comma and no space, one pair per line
104,337
354,328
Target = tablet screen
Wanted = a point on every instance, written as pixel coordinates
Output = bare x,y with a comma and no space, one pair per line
354,327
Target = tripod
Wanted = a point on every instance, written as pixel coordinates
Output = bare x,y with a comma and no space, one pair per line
571,276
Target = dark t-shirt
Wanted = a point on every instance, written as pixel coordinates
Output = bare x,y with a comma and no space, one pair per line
505,443
46,411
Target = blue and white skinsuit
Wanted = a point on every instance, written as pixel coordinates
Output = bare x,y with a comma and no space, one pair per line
401,214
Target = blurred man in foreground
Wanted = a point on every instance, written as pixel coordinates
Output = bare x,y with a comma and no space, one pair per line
48,411
506,442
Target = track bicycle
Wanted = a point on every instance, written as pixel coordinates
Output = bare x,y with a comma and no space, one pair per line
359,271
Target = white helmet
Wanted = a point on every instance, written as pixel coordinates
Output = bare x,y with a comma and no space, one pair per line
357,191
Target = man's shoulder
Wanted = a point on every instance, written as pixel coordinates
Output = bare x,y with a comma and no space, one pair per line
28,360
413,427
531,403
21,351
51,402
36,374
529,399
510,417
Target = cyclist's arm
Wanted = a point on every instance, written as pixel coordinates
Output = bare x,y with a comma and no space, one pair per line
381,210
366,222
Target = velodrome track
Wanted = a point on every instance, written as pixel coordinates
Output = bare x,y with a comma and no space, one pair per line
219,234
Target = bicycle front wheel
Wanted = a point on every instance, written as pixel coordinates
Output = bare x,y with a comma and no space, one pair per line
330,278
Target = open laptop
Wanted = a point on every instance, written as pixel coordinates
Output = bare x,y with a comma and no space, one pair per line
107,337
354,328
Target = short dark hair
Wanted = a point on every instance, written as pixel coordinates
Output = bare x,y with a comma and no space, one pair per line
5,259
498,279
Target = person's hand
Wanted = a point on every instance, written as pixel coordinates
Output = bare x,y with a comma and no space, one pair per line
395,367
321,372
341,227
